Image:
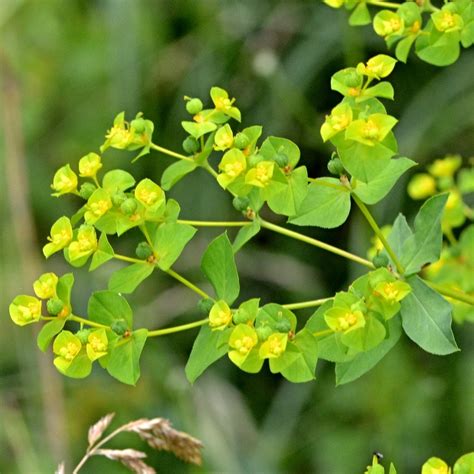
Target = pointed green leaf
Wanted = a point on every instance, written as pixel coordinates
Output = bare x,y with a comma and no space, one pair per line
64,288
103,254
124,359
128,278
438,48
273,145
349,371
327,204
175,172
360,16
208,347
245,234
48,331
169,241
424,246
380,186
426,318
219,267
107,307
117,180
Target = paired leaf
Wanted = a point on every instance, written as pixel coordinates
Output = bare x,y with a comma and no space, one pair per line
175,172
48,332
128,278
218,265
107,307
103,254
245,234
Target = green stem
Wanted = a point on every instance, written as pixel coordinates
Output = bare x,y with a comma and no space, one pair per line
370,219
214,223
316,243
78,319
187,283
147,236
457,295
182,327
378,3
171,153
450,235
306,304
128,259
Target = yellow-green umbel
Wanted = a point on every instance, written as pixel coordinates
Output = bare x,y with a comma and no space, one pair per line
25,309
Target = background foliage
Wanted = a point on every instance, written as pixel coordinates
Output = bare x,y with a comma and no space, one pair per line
66,69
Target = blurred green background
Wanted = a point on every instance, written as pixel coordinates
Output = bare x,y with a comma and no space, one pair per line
66,69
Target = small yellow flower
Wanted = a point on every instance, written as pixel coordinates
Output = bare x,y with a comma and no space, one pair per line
25,309
446,167
220,315
89,165
421,186
85,244
66,346
97,205
60,236
274,346
261,175
97,344
149,193
64,181
45,286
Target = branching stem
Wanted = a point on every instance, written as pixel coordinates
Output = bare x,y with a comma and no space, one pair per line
306,304
171,153
182,327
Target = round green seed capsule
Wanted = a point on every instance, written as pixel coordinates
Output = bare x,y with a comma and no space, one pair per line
281,159
83,335
86,190
335,167
194,106
240,203
241,141
118,198
54,306
138,125
129,206
380,260
264,332
119,327
240,318
283,325
143,250
253,160
205,305
190,145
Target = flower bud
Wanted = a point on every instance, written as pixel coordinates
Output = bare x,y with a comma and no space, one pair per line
241,141
264,332
335,167
205,306
129,206
119,326
118,198
421,186
45,285
380,260
240,203
190,145
138,125
89,165
82,335
143,250
194,106
54,306
86,190
283,325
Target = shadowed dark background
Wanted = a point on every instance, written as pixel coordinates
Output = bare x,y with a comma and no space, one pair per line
66,69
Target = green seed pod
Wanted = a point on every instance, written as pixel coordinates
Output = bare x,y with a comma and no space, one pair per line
240,317
352,78
241,141
118,198
240,203
190,145
138,125
119,327
253,160
194,106
54,306
264,332
129,206
335,166
86,190
205,305
143,250
281,159
82,335
380,260
283,325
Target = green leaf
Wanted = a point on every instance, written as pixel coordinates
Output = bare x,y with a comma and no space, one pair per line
424,246
303,367
169,241
80,367
107,307
426,318
245,234
117,180
360,16
124,359
48,331
349,371
403,48
64,288
438,48
175,172
273,145
128,278
465,464
367,337
327,204
218,266
197,130
103,254
380,186
288,200
208,347
383,89
398,235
